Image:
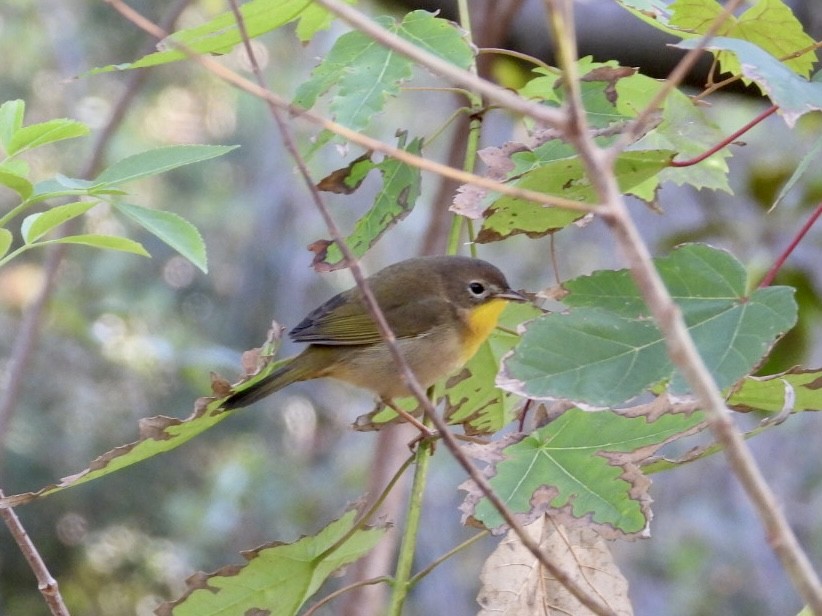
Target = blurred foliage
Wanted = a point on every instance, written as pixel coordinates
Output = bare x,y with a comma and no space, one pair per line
127,338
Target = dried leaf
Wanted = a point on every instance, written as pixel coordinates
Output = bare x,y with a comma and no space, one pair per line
346,180
514,584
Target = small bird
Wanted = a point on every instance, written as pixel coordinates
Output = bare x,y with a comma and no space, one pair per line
440,309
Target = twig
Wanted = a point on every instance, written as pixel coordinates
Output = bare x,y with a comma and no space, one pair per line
360,139
685,356
29,334
341,591
672,81
727,140
491,91
441,559
768,278
45,582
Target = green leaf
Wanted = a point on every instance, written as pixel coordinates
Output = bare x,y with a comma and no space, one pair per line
794,95
653,12
37,225
793,391
63,186
11,120
396,199
277,578
366,73
799,171
19,183
608,350
35,135
509,216
172,229
156,161
581,468
107,242
219,35
686,130
6,239
769,24
313,19
472,397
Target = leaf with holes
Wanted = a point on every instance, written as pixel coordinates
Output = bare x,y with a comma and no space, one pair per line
581,469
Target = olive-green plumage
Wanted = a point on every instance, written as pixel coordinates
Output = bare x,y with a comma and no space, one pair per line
439,308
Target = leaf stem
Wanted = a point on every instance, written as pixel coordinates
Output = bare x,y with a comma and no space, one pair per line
438,561
768,278
727,140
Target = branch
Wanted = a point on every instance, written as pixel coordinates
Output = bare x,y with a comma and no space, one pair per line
278,105
467,79
674,79
237,80
686,358
28,335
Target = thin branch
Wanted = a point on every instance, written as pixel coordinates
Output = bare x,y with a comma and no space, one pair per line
30,328
673,80
441,559
45,581
768,278
493,92
727,140
685,356
235,79
341,591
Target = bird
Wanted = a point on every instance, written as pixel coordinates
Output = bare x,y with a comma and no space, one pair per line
440,309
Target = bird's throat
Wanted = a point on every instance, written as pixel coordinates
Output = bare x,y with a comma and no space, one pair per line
481,322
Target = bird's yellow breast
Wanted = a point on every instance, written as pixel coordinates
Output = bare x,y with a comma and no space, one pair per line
481,321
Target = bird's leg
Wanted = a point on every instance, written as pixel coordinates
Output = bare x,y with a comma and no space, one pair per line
425,432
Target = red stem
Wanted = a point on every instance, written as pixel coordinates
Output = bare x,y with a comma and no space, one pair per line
727,140
769,277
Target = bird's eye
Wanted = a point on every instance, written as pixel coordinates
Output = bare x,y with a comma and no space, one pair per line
477,289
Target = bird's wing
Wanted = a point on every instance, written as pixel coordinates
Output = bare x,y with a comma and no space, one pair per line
343,320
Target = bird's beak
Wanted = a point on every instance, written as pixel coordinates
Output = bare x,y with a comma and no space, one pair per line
511,295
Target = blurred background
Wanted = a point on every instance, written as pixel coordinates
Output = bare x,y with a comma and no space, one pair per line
125,337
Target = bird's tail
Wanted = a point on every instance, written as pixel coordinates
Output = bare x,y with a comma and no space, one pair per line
290,372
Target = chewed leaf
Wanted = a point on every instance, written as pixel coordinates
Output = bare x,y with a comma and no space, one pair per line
793,391
514,582
795,95
366,74
607,350
507,216
581,469
277,578
158,434
396,200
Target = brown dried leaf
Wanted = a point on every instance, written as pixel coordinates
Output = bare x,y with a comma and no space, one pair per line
514,584
345,181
